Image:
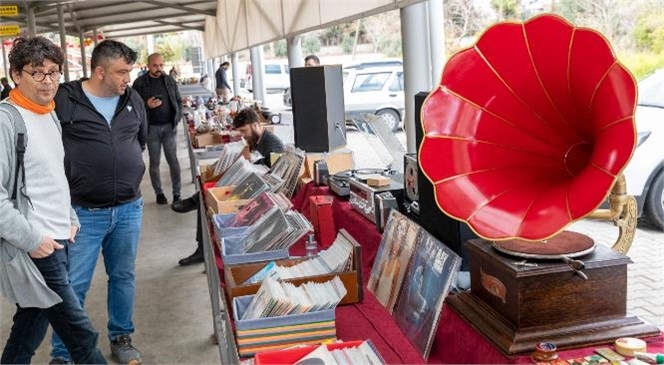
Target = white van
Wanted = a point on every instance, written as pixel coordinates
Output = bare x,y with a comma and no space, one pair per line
277,76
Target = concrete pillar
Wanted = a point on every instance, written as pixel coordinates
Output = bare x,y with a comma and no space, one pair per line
32,24
257,74
294,50
63,40
84,60
150,43
436,40
416,63
94,37
4,61
235,67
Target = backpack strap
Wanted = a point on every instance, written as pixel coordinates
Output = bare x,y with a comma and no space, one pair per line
21,145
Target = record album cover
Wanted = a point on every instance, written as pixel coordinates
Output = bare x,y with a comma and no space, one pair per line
394,252
430,275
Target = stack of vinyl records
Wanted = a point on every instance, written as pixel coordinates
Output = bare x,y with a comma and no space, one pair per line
365,353
229,154
239,171
282,298
287,168
275,230
254,210
337,258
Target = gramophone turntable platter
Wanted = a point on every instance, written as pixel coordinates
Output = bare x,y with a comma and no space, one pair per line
565,244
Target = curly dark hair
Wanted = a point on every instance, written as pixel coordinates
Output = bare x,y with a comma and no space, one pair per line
244,117
109,50
33,51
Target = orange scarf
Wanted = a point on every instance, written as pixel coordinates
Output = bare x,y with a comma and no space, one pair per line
21,100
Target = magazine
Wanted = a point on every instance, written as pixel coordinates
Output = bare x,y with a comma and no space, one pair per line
394,252
430,275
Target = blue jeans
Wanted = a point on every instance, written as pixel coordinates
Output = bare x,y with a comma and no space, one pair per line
114,231
163,135
67,318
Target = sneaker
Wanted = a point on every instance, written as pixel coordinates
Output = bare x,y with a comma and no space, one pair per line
161,199
123,352
60,360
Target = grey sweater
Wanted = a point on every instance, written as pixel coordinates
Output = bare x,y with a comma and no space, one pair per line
20,281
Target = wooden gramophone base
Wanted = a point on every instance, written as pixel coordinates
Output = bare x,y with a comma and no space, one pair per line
516,307
513,341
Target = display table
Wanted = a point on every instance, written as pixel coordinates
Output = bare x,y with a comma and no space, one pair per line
455,342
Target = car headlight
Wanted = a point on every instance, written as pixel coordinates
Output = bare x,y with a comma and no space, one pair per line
641,137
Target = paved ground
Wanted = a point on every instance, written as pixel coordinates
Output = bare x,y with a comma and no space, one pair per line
645,288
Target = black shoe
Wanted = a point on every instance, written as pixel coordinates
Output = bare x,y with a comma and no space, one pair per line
195,258
185,205
176,198
161,199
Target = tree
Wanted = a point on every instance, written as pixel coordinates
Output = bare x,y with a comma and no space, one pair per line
507,9
383,28
462,19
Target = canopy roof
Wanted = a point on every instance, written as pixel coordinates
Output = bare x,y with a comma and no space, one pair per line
116,18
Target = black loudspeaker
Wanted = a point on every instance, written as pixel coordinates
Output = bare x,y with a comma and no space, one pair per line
319,121
448,230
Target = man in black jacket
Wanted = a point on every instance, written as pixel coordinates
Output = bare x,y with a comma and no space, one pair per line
104,131
164,105
223,88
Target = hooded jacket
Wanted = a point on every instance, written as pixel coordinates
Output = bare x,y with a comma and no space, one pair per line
104,164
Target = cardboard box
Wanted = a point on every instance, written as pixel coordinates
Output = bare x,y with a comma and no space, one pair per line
378,181
217,200
336,162
235,275
274,333
205,139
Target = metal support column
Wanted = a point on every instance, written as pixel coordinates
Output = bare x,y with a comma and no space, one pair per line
235,67
294,50
416,63
32,24
84,61
63,39
436,40
4,61
94,37
257,73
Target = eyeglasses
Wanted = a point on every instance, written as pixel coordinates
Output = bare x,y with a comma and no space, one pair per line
40,76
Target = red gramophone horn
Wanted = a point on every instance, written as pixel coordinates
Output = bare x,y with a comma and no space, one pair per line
529,129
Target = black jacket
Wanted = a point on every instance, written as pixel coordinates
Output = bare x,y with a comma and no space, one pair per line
142,86
104,165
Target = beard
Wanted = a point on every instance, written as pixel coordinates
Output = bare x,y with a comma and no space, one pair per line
156,74
253,140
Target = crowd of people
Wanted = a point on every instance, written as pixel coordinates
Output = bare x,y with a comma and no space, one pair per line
66,201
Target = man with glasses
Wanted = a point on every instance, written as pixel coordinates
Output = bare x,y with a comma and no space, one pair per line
38,225
104,129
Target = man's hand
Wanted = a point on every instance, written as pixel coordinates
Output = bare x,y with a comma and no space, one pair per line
72,234
153,102
46,247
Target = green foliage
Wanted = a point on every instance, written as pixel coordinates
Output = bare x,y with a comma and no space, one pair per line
641,64
280,48
347,43
310,44
649,32
391,47
506,9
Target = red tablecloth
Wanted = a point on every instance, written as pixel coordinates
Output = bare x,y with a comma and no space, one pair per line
455,341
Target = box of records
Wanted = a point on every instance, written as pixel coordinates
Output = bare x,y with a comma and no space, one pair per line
269,238
282,315
222,200
342,259
348,352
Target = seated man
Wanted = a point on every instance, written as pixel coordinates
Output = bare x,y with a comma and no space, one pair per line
247,122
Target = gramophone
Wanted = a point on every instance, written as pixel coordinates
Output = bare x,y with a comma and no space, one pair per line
537,119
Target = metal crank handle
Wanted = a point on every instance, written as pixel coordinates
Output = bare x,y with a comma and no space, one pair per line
577,266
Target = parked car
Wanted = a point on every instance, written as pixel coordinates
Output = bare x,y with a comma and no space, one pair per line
277,77
645,171
372,90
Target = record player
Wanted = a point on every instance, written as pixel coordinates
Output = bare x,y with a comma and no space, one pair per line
363,196
411,202
338,183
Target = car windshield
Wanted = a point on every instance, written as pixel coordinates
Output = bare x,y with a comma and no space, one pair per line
370,82
651,90
272,69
